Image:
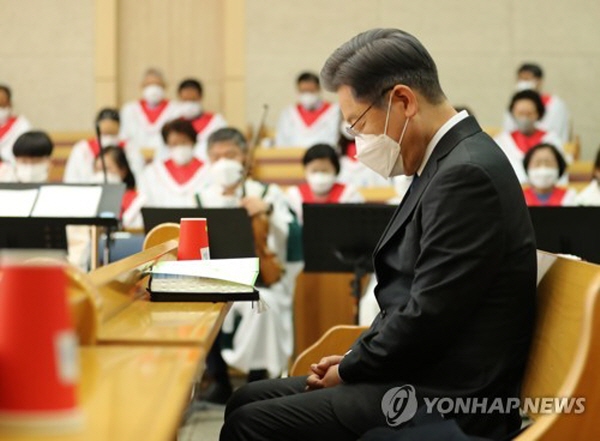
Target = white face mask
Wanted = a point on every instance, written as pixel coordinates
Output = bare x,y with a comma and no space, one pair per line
4,114
543,177
111,178
181,154
227,172
190,109
309,100
526,85
153,93
109,140
525,125
380,152
320,183
29,173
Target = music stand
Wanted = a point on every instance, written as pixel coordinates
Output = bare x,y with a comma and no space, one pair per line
229,229
342,237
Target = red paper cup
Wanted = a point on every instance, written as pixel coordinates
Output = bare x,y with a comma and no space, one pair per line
38,348
193,239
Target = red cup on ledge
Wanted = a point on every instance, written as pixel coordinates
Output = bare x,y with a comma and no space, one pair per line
193,239
39,366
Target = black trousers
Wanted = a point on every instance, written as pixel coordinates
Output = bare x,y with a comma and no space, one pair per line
281,410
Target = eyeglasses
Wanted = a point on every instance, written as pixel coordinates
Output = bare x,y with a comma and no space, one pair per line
350,130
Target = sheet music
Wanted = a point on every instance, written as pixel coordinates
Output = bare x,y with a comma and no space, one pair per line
67,201
17,203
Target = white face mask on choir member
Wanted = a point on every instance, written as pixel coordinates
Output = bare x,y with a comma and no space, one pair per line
109,140
320,183
543,177
380,152
525,125
181,154
190,109
4,114
309,100
227,172
111,178
32,173
153,94
526,85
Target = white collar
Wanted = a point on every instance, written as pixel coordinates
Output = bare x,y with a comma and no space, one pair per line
438,135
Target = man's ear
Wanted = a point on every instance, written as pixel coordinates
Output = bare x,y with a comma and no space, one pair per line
407,97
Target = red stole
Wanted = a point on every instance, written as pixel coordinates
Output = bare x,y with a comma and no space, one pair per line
7,126
95,148
351,151
310,116
525,142
555,199
333,197
202,121
128,198
153,113
183,173
546,100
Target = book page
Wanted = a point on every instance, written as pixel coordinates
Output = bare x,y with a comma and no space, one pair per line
17,203
67,201
241,271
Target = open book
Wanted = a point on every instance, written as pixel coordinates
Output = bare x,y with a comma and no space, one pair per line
218,280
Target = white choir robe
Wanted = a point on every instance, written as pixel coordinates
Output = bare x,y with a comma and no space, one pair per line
7,172
557,118
515,155
139,130
590,195
355,173
80,164
262,340
9,132
206,125
293,131
131,218
160,189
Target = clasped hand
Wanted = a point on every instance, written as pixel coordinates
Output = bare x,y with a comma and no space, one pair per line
324,373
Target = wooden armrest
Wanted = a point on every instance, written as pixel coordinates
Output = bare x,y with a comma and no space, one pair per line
336,340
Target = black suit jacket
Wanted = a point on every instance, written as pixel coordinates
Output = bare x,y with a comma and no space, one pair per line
456,272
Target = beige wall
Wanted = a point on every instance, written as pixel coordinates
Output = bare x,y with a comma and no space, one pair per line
46,56
476,44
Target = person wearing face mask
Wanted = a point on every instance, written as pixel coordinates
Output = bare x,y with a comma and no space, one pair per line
190,93
456,268
261,344
174,181
526,108
142,120
80,164
32,151
590,195
311,120
11,126
556,118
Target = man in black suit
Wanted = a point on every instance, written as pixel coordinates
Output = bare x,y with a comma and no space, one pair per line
456,268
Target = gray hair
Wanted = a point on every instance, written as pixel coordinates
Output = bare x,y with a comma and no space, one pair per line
228,134
376,60
155,72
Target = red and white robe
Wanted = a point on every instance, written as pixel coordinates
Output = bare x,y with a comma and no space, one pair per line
131,209
515,145
80,165
299,127
141,123
205,125
165,184
14,127
559,197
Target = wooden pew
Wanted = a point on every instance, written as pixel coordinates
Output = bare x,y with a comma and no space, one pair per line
63,144
277,165
565,355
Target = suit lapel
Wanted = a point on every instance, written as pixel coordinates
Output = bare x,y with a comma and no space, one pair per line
456,134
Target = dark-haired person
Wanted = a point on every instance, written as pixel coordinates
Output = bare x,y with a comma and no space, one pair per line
80,165
311,120
545,165
556,118
11,126
526,109
321,169
191,93
32,151
174,181
117,171
456,269
142,120
590,195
